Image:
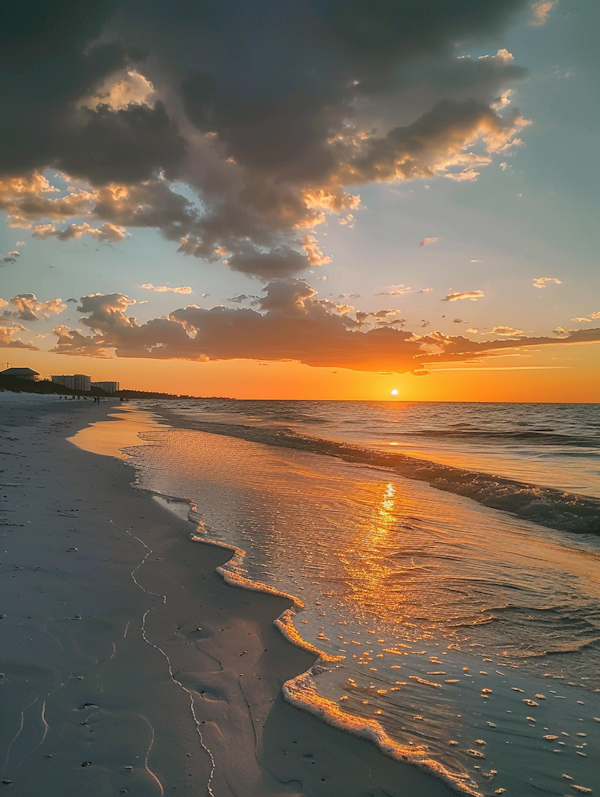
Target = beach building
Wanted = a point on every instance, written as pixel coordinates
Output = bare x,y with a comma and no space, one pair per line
107,387
74,381
20,373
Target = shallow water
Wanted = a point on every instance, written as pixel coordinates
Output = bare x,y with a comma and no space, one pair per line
551,445
467,638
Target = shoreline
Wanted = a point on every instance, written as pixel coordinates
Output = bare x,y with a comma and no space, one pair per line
102,709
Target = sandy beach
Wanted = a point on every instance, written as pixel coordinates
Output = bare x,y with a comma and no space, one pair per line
128,665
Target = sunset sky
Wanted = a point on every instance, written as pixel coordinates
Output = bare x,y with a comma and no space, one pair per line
313,199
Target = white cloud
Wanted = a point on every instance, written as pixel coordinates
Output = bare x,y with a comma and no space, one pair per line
28,308
431,240
459,177
394,290
542,282
148,286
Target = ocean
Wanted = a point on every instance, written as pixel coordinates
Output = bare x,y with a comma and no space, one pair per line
443,559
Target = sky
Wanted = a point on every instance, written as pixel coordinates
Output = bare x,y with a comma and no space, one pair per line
315,199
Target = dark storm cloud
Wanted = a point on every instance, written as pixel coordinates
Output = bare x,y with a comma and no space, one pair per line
127,145
262,109
47,62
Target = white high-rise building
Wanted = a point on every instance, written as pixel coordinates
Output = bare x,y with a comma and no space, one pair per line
74,381
108,387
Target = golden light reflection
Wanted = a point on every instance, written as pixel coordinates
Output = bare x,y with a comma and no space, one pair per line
369,569
110,438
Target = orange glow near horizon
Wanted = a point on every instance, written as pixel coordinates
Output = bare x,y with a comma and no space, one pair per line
552,374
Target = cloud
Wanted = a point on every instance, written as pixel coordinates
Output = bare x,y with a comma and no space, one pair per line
541,11
227,131
290,322
147,286
242,297
459,321
588,319
506,331
313,253
394,290
458,295
283,261
10,257
439,141
28,308
427,241
466,174
9,330
108,233
119,91
542,282
425,290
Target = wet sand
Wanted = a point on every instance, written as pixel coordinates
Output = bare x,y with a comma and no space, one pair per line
128,665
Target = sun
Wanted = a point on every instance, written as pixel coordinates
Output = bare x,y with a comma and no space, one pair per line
394,392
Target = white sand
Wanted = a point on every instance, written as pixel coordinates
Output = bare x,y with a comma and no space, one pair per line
171,685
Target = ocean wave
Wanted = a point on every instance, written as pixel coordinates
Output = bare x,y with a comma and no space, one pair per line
302,692
546,506
535,436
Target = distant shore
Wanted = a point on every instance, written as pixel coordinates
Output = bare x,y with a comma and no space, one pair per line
128,665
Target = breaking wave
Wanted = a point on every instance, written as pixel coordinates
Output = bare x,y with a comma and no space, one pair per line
556,509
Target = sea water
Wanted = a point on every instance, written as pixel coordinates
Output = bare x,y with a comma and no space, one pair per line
444,558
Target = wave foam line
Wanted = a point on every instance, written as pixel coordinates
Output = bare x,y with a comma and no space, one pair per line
302,693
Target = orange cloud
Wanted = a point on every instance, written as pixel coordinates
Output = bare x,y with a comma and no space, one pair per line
588,319
108,233
314,254
505,331
291,323
541,11
119,91
458,295
9,331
